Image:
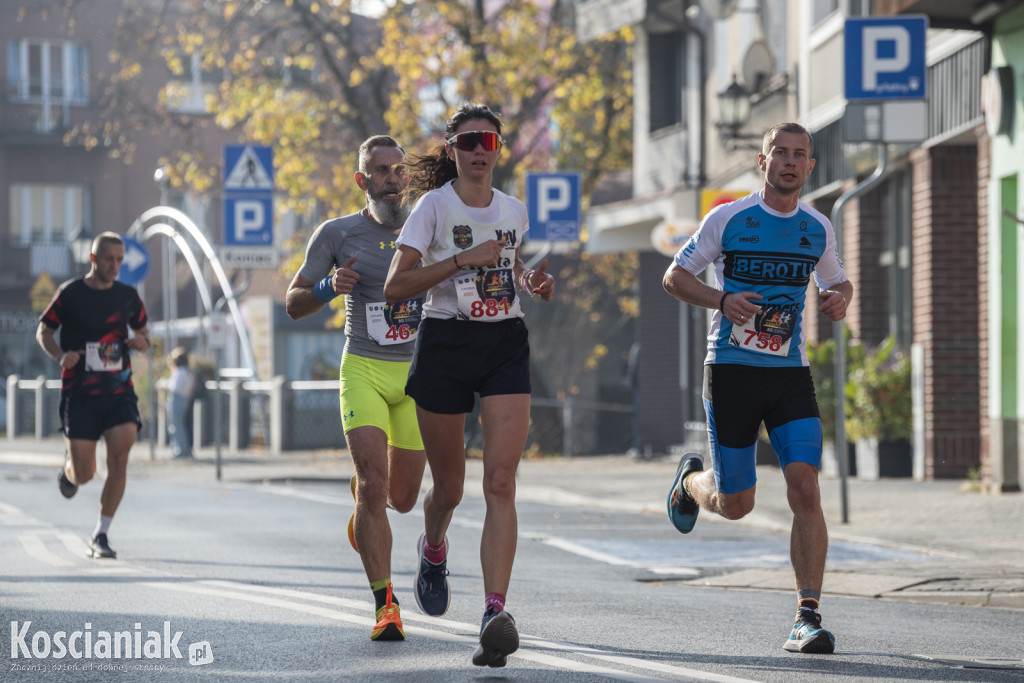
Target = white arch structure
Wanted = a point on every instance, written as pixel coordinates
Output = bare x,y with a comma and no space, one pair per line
173,230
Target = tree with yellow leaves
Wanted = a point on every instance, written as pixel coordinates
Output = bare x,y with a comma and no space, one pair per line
313,78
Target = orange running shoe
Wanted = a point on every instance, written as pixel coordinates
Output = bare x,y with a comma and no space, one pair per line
389,621
352,519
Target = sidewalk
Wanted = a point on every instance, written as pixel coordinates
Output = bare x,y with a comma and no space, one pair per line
974,542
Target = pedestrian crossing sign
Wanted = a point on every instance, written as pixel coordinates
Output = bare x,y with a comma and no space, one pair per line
248,168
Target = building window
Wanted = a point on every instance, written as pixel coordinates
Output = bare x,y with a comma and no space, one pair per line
666,66
47,214
192,90
823,9
896,258
50,74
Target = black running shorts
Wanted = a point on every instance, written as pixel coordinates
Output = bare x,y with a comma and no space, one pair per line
86,417
453,359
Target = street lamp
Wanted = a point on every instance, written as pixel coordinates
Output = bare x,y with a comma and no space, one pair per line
163,181
81,245
734,110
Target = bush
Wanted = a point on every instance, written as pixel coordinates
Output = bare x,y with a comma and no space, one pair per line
822,359
878,395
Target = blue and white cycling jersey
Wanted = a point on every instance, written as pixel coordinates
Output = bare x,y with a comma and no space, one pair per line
757,249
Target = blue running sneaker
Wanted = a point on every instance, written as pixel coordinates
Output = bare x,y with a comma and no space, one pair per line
808,636
682,508
499,638
432,592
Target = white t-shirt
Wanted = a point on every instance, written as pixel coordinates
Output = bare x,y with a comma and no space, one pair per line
182,382
441,225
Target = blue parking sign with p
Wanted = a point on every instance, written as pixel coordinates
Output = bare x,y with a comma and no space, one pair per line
249,221
885,57
553,201
248,195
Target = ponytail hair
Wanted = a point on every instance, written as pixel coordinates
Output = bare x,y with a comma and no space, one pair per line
435,169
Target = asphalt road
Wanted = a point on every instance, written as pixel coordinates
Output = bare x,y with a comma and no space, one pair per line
257,580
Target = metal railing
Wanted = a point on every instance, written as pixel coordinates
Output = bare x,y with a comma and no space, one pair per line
278,415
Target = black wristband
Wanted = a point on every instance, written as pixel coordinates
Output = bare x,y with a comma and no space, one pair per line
721,303
455,260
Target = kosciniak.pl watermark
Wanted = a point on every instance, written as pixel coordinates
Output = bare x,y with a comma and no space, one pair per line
85,643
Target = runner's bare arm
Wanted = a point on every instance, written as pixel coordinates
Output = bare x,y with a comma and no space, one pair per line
46,339
299,300
835,300
685,286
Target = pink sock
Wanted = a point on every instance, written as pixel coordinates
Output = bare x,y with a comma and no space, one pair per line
494,602
435,554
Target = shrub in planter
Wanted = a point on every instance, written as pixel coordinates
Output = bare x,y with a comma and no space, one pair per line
878,395
822,359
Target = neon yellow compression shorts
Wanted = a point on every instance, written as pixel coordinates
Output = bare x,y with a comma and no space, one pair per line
373,394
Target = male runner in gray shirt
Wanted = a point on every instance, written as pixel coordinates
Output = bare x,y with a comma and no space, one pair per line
379,420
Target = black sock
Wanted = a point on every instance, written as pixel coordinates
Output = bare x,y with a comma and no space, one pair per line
380,597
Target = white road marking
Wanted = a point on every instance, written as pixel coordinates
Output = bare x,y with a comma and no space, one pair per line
32,543
299,601
591,554
15,516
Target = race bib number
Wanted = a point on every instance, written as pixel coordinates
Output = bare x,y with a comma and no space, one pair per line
100,357
770,332
489,295
388,324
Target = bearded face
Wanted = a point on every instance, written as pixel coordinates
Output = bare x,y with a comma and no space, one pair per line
386,206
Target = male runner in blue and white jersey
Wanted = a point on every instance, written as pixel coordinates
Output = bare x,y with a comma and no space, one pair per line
764,248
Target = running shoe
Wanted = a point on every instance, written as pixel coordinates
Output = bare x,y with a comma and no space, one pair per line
808,636
499,638
67,489
682,508
352,519
389,621
432,592
100,548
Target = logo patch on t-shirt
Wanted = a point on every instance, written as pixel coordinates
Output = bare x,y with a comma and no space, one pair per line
462,236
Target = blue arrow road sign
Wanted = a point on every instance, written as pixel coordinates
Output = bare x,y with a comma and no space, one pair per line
135,264
553,201
885,57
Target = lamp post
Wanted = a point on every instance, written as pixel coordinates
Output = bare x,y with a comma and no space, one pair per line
163,181
734,111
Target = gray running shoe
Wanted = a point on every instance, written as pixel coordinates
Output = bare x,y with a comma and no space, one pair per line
100,548
499,638
67,489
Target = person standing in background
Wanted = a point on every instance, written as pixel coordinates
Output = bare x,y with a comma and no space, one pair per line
180,391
